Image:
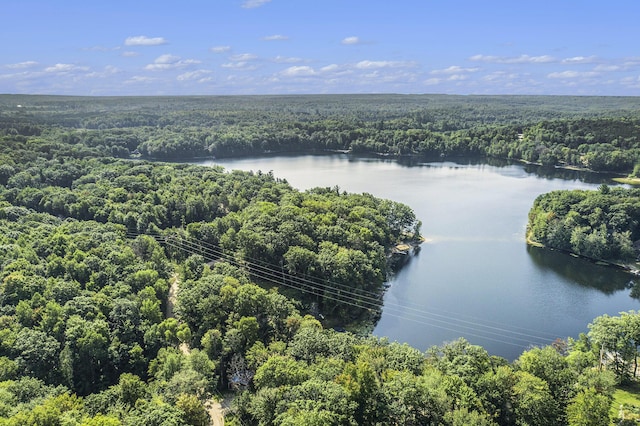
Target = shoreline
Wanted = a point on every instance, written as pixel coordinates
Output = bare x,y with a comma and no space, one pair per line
622,179
631,268
628,180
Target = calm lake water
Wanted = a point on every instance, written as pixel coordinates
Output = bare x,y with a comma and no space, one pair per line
475,277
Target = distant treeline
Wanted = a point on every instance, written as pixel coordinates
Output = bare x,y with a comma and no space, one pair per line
598,133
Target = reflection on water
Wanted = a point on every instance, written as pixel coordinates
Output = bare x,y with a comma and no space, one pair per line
582,272
499,163
567,174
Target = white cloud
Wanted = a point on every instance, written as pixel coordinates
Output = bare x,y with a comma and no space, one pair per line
579,60
286,60
500,76
298,71
275,37
220,49
251,4
632,61
335,70
130,54
167,61
106,72
59,68
454,69
22,65
526,59
144,41
140,79
383,64
330,68
572,74
65,68
362,76
608,68
243,57
351,40
451,78
376,77
200,76
240,65
432,81
522,59
484,58
631,82
372,75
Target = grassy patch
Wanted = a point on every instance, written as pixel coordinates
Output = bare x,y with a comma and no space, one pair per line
627,400
628,180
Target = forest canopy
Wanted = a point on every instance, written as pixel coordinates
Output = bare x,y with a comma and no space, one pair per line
134,292
598,133
599,224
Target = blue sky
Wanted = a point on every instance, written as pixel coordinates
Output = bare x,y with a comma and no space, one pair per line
225,47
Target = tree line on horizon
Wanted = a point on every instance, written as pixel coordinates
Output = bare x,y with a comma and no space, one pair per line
596,133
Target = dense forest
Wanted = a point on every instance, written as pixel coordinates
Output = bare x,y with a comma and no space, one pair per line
134,292
599,224
85,340
598,133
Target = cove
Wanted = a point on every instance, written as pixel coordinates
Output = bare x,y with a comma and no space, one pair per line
475,277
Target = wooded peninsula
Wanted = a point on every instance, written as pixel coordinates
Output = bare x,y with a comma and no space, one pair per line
135,291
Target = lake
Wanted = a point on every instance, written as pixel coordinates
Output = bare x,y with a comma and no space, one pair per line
475,277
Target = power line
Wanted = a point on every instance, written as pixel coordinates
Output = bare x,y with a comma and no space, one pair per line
362,299
346,297
372,297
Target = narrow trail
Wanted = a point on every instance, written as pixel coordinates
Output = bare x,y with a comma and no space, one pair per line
173,296
215,408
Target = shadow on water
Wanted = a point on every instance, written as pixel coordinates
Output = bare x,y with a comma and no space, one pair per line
429,160
582,272
568,174
454,161
398,262
534,169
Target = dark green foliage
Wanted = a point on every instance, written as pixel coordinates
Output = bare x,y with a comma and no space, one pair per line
599,224
90,246
596,132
